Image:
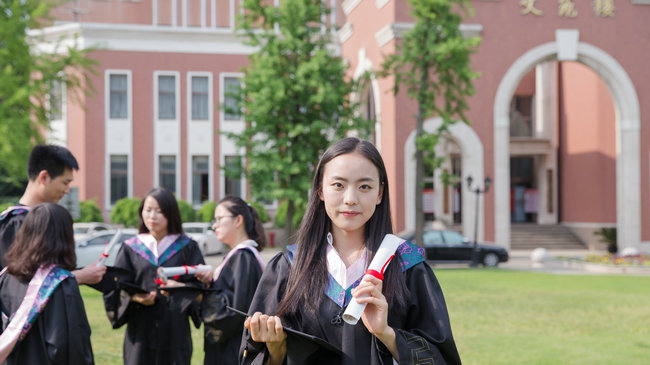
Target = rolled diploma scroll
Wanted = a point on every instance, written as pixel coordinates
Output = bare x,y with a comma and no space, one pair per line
109,247
167,272
383,256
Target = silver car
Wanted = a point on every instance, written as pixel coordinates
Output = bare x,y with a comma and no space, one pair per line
89,249
203,234
86,229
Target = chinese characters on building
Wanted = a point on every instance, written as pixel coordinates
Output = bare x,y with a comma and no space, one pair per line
567,8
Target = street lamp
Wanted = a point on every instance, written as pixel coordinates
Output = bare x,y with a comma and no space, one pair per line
478,191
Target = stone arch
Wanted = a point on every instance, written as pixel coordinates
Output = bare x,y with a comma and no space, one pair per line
628,124
472,161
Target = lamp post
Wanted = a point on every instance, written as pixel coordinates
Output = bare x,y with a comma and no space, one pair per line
478,191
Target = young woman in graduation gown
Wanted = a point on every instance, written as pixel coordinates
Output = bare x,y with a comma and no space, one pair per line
308,288
44,319
236,224
157,328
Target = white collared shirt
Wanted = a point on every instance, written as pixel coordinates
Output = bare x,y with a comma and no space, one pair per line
345,276
157,248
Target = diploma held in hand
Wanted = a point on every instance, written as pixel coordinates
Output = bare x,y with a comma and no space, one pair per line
377,266
166,272
109,247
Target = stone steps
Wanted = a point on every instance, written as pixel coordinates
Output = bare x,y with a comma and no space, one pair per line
551,237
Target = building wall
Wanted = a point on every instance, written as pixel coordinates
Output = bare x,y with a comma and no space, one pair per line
588,147
373,29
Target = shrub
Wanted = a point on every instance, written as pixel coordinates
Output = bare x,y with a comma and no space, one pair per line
89,212
608,235
206,213
261,211
281,215
187,211
125,211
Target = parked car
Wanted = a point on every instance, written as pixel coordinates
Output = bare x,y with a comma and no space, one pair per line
86,229
89,249
451,246
203,234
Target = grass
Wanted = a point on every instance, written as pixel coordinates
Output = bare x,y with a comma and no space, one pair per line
503,317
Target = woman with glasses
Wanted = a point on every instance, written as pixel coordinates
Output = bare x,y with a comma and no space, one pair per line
236,224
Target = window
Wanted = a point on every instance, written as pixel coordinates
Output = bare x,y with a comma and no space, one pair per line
199,98
167,172
231,110
166,97
432,238
521,116
56,100
453,237
233,175
200,179
119,177
118,97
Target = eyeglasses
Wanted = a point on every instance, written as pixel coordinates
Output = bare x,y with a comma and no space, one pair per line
217,220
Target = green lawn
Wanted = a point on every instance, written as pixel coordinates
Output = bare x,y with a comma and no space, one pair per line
503,317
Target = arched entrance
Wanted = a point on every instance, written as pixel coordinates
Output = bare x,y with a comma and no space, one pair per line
568,48
471,149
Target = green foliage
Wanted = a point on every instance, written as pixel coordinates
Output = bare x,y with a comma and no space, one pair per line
261,211
206,212
23,107
433,63
281,215
187,211
125,211
89,212
295,98
608,235
4,206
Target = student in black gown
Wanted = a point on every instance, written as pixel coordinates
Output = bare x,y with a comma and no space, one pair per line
49,173
157,330
308,288
41,259
235,280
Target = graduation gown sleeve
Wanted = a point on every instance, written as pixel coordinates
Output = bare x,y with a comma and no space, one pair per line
235,288
424,333
60,334
268,295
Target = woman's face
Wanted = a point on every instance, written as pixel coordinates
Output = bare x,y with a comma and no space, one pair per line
225,225
350,191
153,218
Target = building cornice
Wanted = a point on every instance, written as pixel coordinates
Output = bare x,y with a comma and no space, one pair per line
397,31
141,38
349,5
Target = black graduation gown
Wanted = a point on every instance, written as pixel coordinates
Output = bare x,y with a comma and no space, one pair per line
235,288
160,333
60,334
9,226
423,331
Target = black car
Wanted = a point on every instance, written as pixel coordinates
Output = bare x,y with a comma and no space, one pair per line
451,246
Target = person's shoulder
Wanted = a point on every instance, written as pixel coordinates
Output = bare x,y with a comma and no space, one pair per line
410,255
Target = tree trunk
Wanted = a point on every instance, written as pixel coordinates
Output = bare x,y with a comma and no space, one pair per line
288,224
419,172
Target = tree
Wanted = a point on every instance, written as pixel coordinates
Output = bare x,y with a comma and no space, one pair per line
26,77
433,63
295,99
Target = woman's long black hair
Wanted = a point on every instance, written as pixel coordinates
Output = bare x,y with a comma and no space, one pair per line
169,208
252,223
45,237
308,275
